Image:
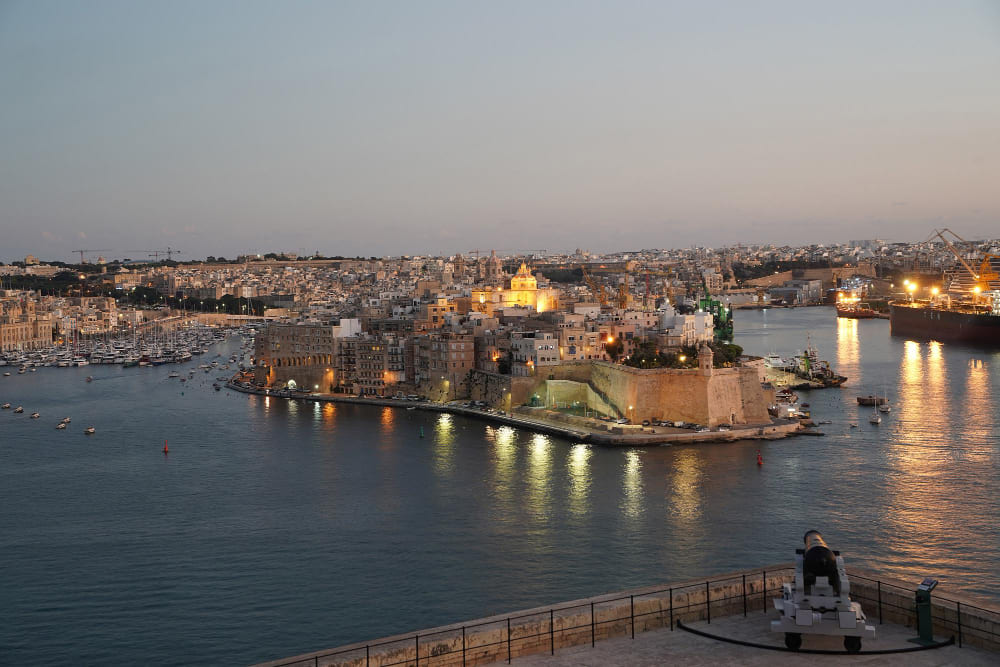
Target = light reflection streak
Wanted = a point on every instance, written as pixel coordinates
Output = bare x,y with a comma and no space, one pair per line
578,463
632,485
848,348
979,418
388,418
685,499
504,460
539,482
919,461
444,440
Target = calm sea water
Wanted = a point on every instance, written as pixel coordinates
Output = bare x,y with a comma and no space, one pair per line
274,527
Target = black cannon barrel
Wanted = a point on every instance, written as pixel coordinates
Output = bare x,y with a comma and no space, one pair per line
819,561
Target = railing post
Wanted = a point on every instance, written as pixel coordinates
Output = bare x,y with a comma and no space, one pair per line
593,638
763,590
879,603
368,656
508,640
315,661
744,595
708,603
463,646
671,610
552,633
631,614
416,640
958,611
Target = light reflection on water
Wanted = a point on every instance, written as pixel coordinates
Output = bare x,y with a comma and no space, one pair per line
578,468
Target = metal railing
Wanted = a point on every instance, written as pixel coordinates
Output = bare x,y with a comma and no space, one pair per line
573,625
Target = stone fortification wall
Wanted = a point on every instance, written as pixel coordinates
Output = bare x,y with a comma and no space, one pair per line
500,391
702,396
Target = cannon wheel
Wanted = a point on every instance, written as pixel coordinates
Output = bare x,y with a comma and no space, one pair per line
852,644
793,640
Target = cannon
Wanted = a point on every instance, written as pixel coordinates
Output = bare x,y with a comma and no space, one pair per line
818,601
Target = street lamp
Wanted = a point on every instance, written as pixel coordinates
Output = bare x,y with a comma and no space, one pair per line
911,288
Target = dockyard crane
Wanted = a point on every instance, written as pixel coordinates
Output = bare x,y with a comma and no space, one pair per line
985,273
84,261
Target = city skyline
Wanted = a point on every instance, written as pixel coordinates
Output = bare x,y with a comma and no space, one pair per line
355,129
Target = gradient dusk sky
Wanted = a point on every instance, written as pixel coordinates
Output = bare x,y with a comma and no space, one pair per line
377,127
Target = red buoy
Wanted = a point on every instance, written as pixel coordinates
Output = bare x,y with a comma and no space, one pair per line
166,450
760,459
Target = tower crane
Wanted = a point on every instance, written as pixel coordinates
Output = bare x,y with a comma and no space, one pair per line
84,261
597,290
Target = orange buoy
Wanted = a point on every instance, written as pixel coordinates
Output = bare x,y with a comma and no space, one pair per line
760,459
166,450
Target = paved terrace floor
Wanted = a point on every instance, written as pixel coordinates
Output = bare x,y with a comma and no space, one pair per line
662,647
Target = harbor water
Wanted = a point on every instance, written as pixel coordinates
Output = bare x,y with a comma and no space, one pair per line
276,527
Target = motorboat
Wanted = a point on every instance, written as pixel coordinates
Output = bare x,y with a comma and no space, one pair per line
61,426
5,406
90,430
66,420
35,415
18,409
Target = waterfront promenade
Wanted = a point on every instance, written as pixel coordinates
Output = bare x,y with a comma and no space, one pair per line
546,422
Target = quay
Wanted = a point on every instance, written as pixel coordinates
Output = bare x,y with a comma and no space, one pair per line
543,421
643,627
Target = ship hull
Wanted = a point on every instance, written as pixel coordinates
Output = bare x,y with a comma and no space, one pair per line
945,325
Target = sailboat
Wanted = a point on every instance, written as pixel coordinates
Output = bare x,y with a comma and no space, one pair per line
875,418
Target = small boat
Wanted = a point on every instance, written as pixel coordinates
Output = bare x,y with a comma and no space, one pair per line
173,374
90,378
871,400
884,408
875,419
5,406
66,420
6,375
61,426
90,430
35,415
19,409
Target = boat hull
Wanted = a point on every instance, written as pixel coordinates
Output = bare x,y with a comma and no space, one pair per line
941,324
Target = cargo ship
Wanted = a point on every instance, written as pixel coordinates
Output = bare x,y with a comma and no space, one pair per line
967,311
975,325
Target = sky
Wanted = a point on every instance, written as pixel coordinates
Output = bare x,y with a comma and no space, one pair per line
383,128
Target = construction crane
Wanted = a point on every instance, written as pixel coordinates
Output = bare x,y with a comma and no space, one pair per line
597,290
84,261
169,252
